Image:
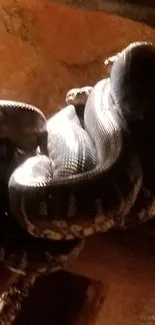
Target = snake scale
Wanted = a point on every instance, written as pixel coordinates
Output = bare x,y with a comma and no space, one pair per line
86,169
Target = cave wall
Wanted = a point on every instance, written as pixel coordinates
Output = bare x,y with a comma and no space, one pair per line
46,49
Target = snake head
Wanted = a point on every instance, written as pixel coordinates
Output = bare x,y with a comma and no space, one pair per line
110,61
78,96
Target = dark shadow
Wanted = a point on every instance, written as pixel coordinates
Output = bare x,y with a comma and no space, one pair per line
61,299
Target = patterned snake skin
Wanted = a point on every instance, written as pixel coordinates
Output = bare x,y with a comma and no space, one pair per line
28,257
85,170
93,168
86,206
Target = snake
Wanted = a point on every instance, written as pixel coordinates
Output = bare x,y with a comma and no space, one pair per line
95,194
89,175
23,134
94,173
24,255
82,171
76,193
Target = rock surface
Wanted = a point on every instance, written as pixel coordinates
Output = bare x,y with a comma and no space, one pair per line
125,263
47,49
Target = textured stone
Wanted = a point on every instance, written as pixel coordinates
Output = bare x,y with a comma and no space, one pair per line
142,11
47,49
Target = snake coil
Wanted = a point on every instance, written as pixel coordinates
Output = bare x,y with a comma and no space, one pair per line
93,174
87,169
90,173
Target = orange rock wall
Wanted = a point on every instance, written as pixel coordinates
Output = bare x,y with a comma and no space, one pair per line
46,48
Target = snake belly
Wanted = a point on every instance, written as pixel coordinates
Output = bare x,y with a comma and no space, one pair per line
62,205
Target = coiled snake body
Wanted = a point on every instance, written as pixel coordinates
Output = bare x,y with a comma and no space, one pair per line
86,206
99,198
90,173
85,169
